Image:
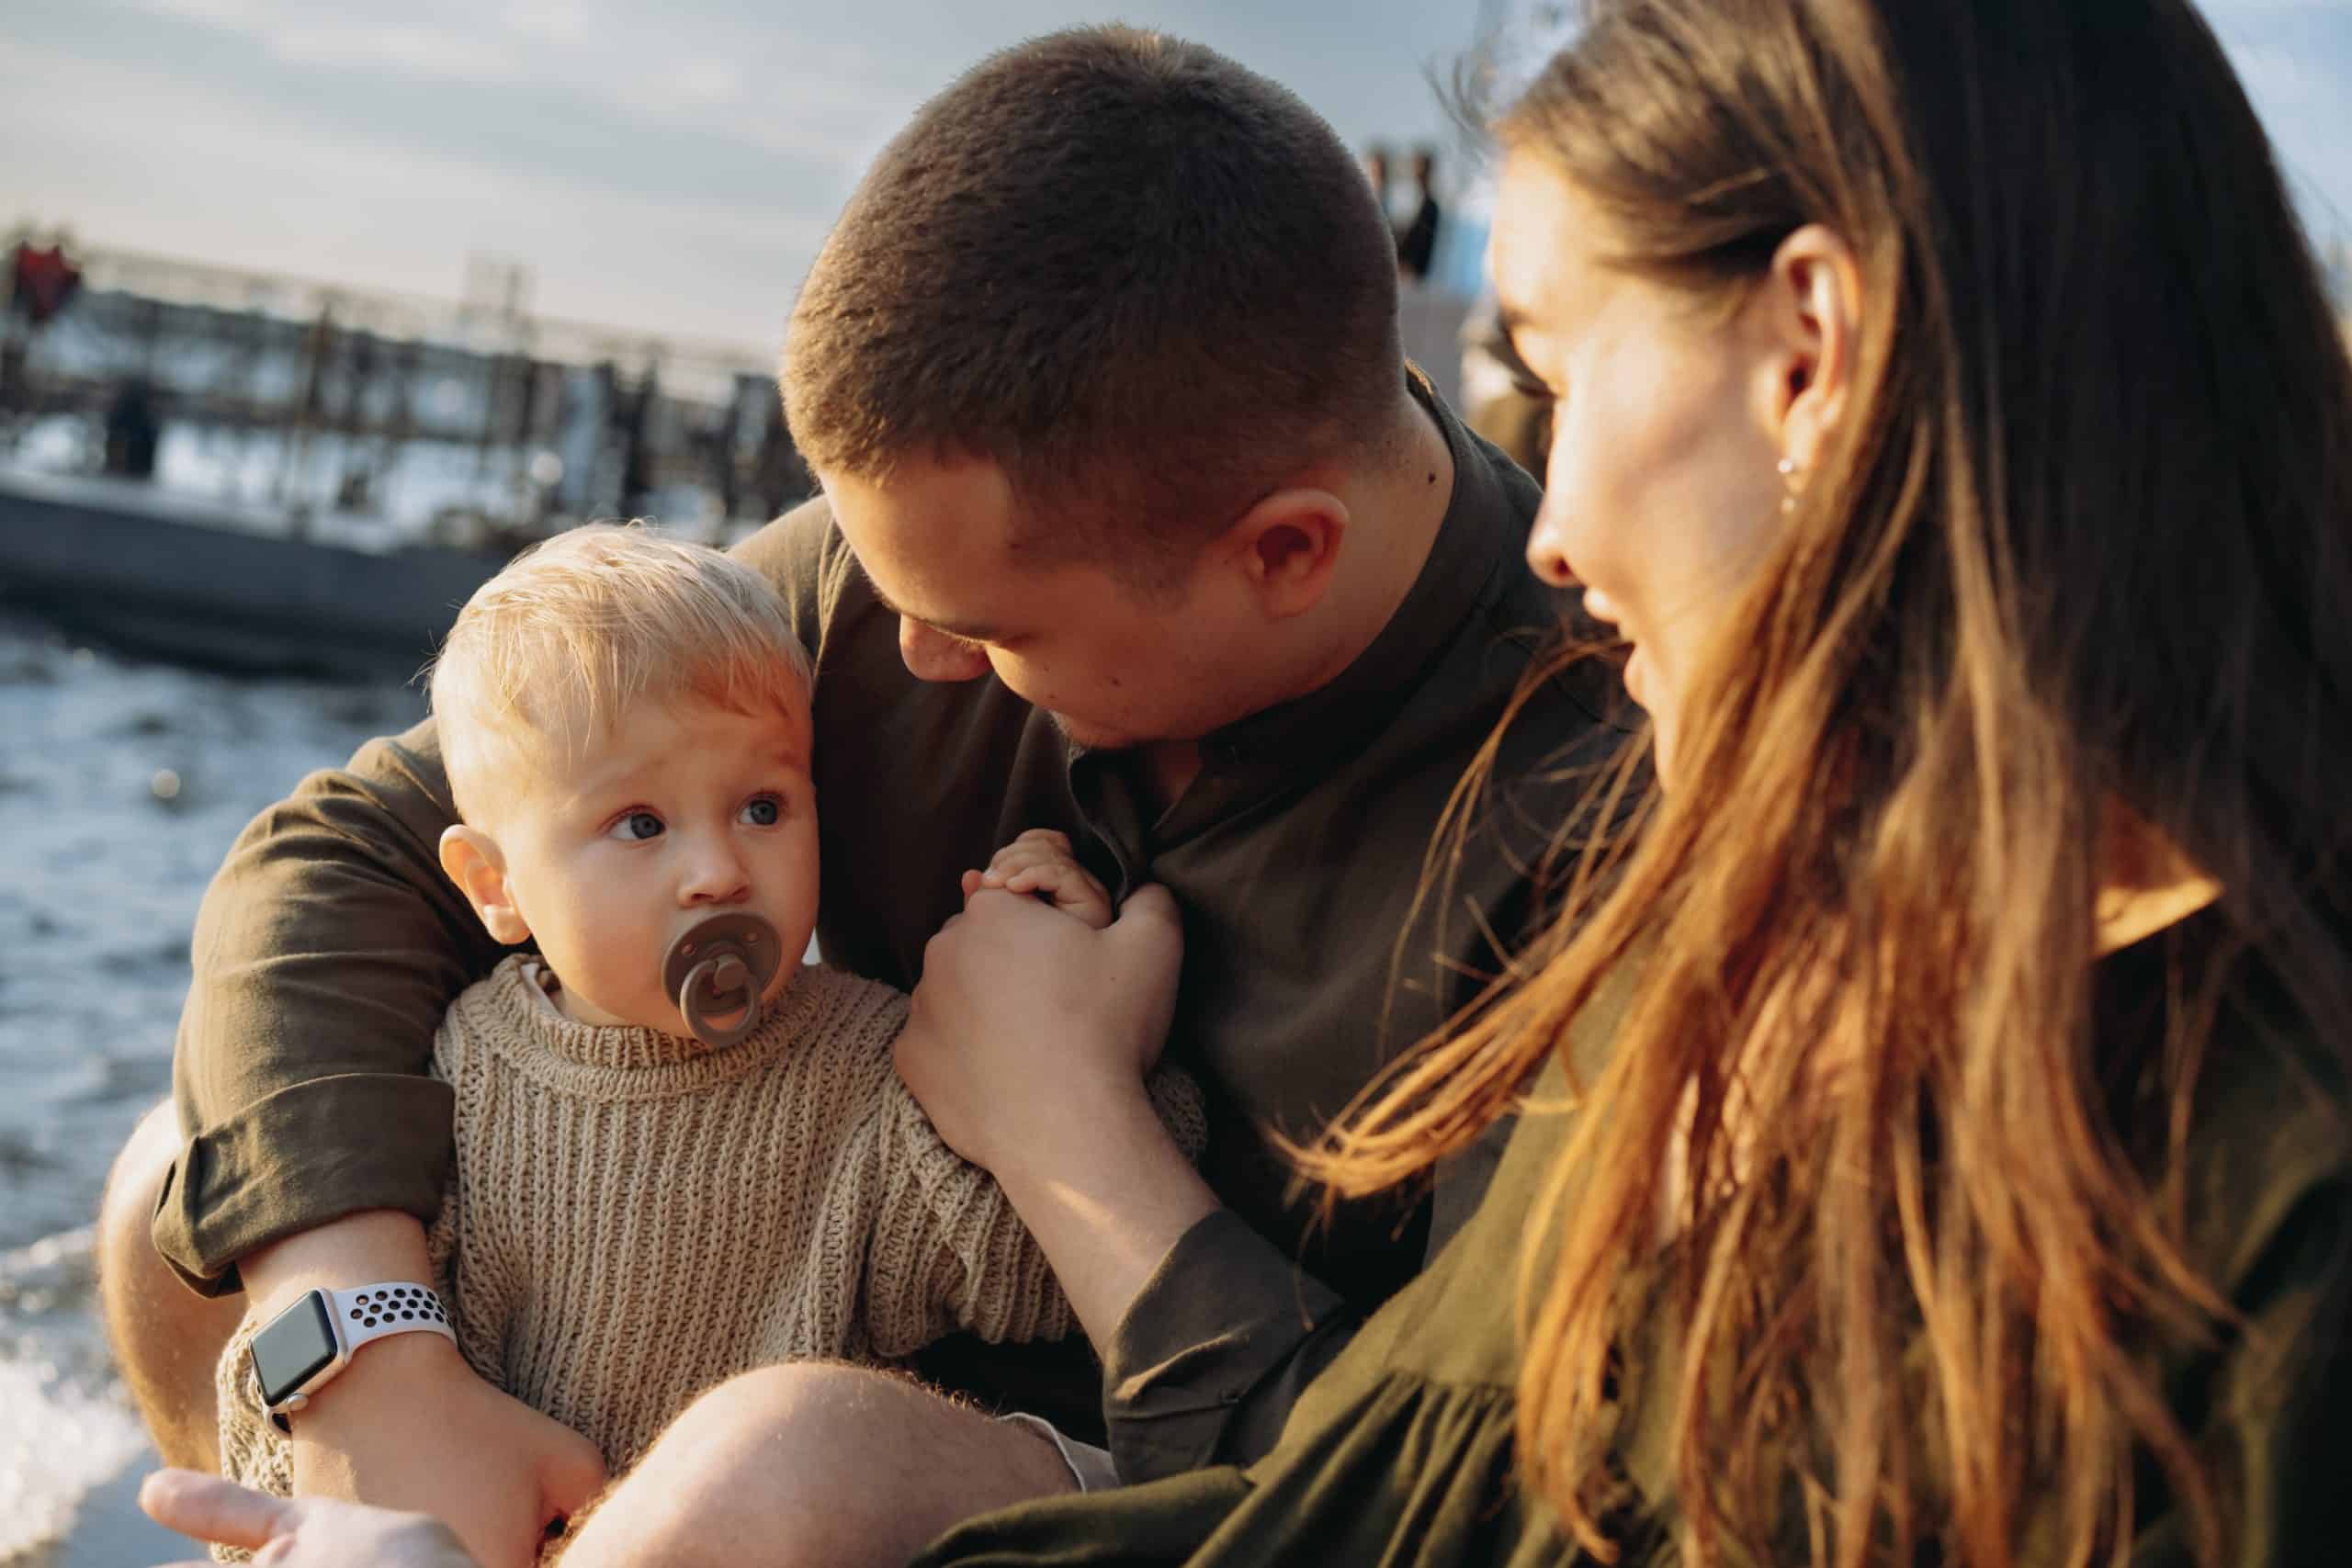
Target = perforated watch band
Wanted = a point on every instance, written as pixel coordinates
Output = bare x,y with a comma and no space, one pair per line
396,1306
357,1318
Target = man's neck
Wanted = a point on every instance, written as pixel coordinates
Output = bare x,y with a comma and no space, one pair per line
1169,769
1397,512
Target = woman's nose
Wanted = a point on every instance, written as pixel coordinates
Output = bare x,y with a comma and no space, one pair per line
1545,559
930,654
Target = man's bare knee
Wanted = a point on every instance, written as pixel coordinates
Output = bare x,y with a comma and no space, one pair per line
814,1463
166,1339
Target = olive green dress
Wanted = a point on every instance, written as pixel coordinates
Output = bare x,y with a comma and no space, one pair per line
1402,1451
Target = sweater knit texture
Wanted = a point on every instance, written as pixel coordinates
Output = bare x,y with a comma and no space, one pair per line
636,1217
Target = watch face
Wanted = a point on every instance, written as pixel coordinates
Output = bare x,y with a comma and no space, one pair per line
297,1346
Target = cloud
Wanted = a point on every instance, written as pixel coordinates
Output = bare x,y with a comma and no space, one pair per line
553,21
372,213
686,70
422,52
325,36
241,15
704,82
674,165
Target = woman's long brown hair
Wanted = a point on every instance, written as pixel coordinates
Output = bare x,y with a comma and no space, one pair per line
2085,542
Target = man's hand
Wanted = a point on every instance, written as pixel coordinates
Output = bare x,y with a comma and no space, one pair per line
301,1532
1023,1012
1041,863
1027,1043
408,1425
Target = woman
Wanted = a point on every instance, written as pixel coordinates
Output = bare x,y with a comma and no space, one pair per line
1934,1144
1948,417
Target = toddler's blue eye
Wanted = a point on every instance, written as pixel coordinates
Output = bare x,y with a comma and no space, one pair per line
637,826
763,812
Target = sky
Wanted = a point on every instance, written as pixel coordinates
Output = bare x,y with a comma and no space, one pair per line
672,167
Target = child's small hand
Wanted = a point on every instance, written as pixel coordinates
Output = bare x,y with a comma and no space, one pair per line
1042,862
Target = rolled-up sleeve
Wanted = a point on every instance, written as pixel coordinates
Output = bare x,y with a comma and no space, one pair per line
230,1190
327,948
1215,1351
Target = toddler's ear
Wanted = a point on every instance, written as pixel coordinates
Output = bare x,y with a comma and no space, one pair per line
473,860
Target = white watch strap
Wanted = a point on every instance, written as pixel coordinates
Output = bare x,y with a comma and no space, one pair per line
396,1306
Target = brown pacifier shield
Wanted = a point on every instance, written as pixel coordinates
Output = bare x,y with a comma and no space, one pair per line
720,967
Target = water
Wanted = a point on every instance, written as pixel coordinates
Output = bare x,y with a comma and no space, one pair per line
121,786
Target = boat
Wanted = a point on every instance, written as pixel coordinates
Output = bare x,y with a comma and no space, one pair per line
194,581
267,474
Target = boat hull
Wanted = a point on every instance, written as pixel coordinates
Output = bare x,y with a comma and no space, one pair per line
132,571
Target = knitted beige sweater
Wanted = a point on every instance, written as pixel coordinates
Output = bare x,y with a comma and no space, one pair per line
636,1217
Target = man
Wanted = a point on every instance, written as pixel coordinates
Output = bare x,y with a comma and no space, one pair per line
1138,527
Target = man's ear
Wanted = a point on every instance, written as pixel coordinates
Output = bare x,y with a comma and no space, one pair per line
472,859
1288,545
1812,300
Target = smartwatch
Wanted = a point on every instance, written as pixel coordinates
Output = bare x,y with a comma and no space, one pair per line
306,1345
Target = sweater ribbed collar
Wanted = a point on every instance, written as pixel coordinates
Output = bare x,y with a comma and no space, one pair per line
522,1001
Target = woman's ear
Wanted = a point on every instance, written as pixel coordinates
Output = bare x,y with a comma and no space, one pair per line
1812,307
472,859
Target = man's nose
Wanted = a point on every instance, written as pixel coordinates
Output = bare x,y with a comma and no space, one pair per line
716,874
932,655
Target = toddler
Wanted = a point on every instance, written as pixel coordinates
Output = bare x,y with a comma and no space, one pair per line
681,1154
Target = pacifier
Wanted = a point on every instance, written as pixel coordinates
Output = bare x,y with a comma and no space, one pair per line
721,967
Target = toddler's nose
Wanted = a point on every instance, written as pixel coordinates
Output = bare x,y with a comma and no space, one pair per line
717,877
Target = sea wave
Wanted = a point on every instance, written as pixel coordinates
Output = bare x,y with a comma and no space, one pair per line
65,1429
138,776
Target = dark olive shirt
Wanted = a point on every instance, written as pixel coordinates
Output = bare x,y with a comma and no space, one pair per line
331,944
1405,1451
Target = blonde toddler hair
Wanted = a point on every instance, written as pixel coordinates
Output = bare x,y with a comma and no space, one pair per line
547,655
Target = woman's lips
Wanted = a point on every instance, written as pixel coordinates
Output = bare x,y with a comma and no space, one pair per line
1601,609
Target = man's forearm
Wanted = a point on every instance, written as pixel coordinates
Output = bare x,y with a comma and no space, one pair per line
357,1250
1215,1351
380,1246
1107,1204
407,1423
325,953
1208,1335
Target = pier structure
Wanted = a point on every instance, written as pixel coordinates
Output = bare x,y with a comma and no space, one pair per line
560,419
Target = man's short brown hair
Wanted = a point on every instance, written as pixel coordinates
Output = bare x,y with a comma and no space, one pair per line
1147,282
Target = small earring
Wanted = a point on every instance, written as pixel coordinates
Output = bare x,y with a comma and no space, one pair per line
1788,466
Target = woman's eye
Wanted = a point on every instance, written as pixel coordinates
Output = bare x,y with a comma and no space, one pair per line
763,812
637,826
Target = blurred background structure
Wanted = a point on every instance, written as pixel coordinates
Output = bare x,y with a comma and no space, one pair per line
261,472
314,314
501,413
